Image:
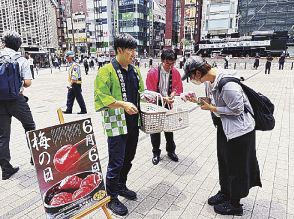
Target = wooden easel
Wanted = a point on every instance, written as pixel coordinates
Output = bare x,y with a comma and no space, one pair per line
102,203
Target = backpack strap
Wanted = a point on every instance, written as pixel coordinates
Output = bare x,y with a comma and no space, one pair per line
225,80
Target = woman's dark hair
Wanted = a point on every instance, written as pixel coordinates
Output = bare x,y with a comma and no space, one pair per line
195,64
168,54
204,69
11,39
124,41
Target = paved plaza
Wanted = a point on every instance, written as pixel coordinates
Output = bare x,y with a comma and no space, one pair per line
169,190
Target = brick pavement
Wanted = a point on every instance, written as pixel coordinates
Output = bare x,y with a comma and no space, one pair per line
169,190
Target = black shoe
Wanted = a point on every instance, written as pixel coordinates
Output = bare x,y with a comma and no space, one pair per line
82,113
128,194
67,112
219,198
7,169
155,159
227,208
173,157
117,207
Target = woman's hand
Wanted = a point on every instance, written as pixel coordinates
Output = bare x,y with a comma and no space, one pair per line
192,99
207,106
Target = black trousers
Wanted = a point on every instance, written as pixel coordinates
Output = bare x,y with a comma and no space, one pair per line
170,144
281,65
32,70
21,111
86,69
268,67
238,165
121,150
75,92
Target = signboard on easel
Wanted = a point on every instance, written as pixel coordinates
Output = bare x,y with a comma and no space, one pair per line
68,168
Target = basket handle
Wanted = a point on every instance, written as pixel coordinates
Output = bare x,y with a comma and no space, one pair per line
157,99
175,104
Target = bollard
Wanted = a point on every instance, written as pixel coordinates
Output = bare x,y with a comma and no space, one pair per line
292,66
235,65
245,64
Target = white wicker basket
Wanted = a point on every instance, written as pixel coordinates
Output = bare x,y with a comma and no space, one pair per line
176,119
152,116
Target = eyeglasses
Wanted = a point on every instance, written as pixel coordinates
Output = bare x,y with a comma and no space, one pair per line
169,63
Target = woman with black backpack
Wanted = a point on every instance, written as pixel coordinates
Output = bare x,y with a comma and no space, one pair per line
236,153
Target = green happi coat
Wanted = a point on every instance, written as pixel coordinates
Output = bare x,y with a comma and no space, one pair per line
107,90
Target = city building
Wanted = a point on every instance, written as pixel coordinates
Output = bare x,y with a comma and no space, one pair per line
157,27
264,15
80,6
77,37
61,28
38,32
133,18
100,26
174,24
192,17
219,17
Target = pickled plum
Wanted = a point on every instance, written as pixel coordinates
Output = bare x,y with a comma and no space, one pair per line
61,198
91,181
70,182
65,157
81,193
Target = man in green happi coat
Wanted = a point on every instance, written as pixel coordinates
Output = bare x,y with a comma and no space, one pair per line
117,87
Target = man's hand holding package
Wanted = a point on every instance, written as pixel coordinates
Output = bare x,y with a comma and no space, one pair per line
168,100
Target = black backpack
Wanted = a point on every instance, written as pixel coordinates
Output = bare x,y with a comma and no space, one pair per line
10,79
263,108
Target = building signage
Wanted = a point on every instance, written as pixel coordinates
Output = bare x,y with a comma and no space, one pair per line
168,42
235,44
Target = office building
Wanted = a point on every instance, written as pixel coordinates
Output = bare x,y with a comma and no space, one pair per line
23,16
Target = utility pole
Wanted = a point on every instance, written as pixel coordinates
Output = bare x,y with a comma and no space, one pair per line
72,28
151,29
95,22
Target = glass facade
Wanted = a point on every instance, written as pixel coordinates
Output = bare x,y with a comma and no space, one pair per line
133,16
265,15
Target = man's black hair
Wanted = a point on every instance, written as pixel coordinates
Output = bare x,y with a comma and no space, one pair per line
168,54
12,40
124,41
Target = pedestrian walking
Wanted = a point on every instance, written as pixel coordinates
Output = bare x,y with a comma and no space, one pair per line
236,149
256,61
117,87
268,64
92,63
12,101
165,80
282,61
31,63
100,61
56,62
227,58
75,85
150,62
86,65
